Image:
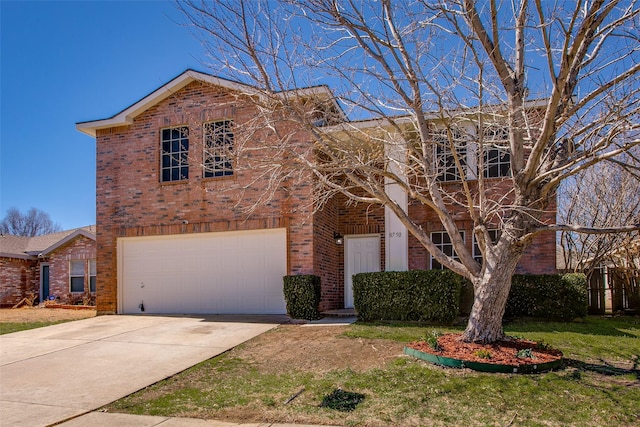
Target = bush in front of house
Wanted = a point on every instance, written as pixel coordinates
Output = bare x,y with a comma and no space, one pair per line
548,296
302,295
418,295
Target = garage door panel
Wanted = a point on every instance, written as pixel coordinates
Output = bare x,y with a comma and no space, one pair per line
230,272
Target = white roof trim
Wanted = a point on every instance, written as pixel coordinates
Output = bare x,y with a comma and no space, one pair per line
67,239
126,116
383,122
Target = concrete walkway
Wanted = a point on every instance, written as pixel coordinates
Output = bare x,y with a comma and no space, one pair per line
52,374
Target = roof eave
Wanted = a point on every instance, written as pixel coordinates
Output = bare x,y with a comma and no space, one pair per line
67,239
91,128
16,256
126,116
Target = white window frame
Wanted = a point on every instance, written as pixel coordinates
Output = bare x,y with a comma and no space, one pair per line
442,246
92,275
446,168
496,139
75,275
218,148
494,234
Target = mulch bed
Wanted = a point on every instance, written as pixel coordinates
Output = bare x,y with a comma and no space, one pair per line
501,352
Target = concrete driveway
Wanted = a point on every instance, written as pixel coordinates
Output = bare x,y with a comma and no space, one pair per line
51,374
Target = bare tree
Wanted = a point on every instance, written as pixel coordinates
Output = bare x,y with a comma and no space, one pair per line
603,196
33,223
438,93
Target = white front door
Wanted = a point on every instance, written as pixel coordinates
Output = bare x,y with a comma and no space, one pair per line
362,255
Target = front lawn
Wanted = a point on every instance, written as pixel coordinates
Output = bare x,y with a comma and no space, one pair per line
21,319
283,376
10,327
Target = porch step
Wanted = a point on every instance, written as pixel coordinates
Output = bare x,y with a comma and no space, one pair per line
343,312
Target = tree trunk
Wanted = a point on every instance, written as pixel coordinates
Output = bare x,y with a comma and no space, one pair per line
491,291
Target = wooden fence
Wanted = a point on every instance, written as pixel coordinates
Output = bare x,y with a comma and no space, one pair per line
613,290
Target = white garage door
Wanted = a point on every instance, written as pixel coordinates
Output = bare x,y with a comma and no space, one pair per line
237,272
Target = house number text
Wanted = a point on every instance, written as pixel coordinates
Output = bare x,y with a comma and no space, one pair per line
395,234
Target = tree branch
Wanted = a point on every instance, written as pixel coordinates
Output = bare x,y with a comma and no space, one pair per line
588,230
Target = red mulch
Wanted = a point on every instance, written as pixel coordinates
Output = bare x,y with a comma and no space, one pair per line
502,352
71,307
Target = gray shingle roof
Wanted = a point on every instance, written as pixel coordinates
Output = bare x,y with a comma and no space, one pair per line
31,247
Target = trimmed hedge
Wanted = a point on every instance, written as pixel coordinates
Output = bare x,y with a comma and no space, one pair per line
302,295
440,296
418,295
548,296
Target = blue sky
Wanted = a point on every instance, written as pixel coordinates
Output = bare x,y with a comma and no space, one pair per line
67,62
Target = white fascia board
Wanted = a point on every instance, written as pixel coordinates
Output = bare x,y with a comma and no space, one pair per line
307,91
365,124
385,122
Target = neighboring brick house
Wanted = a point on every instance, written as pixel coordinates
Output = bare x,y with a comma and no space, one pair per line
59,265
172,236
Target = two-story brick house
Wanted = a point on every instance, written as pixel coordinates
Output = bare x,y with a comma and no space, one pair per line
173,234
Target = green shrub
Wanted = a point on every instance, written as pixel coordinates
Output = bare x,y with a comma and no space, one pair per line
431,338
548,296
302,295
418,295
483,353
525,353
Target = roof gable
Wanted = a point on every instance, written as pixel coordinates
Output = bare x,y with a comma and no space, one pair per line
32,247
126,116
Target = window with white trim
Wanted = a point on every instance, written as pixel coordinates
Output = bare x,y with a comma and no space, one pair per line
446,167
477,253
497,158
92,275
174,145
443,242
76,276
218,149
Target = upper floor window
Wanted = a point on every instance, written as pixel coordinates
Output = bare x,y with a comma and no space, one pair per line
442,240
175,154
445,142
497,160
218,149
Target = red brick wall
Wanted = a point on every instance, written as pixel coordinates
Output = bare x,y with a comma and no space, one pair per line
18,278
132,201
79,249
328,256
538,258
347,219
355,219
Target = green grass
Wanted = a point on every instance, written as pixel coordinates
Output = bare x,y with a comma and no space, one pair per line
611,338
600,384
9,327
614,339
